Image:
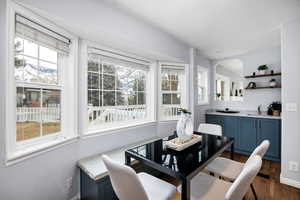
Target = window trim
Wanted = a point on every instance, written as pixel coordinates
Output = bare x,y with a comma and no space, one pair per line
184,90
13,147
83,81
206,70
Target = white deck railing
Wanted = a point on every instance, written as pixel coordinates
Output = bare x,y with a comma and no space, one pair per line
170,111
107,114
49,114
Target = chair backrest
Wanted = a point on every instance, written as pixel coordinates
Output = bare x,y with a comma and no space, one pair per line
240,186
212,129
125,181
260,150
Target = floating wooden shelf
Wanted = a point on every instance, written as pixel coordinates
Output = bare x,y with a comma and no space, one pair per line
263,87
263,75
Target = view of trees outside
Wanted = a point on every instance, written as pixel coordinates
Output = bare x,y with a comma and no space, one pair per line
38,108
171,93
115,90
113,85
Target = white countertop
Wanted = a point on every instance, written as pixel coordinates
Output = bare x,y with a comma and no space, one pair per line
253,114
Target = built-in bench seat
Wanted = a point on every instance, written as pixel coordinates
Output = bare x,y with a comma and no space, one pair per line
94,167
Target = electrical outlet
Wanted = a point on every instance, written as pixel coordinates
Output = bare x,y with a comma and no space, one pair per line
68,185
293,166
291,107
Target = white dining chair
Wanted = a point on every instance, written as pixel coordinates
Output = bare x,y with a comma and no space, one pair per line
206,187
128,185
231,169
213,129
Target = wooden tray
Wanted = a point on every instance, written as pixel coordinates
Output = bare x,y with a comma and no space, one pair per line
178,146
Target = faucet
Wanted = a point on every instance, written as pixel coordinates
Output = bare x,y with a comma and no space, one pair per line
259,109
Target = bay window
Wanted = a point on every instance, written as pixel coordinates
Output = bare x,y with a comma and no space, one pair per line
118,90
173,89
42,69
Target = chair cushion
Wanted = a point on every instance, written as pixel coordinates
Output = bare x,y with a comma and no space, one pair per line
225,168
206,187
155,188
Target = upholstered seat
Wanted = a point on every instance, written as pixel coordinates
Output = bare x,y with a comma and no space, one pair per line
206,187
156,188
129,186
226,168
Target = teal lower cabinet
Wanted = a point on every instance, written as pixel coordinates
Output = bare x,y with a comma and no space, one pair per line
248,132
247,139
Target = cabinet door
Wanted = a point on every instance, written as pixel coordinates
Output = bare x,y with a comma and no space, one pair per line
247,134
269,129
231,128
215,119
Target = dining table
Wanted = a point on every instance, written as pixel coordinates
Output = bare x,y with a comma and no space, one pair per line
184,164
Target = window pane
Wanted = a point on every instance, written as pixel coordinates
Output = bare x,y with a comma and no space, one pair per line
31,70
51,122
108,82
48,73
48,54
132,98
19,45
175,98
30,49
28,113
108,98
109,69
94,98
175,85
166,99
93,66
19,67
141,98
94,81
121,98
165,85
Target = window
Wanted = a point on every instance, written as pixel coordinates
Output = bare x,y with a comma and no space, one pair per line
222,87
203,85
173,90
118,90
41,58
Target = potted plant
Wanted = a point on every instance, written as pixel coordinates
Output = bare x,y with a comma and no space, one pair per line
273,82
262,69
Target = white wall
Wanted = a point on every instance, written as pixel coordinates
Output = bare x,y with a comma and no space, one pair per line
43,177
290,94
254,98
199,110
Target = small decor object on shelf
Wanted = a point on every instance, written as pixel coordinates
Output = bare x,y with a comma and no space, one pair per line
184,126
272,72
251,85
275,108
253,74
273,82
262,69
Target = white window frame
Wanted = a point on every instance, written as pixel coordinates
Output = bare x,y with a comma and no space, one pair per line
184,90
206,71
83,89
17,150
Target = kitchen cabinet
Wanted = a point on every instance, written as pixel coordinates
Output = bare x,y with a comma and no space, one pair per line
248,132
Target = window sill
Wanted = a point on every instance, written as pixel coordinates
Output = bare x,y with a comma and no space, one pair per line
36,150
113,129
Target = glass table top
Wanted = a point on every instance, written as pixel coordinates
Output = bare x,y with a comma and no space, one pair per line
184,162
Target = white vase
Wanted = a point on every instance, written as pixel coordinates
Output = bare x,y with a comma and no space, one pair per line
184,127
262,72
273,83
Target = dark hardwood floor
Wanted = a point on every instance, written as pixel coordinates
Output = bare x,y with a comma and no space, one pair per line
266,189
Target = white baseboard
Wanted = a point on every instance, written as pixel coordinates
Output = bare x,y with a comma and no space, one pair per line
76,197
289,181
